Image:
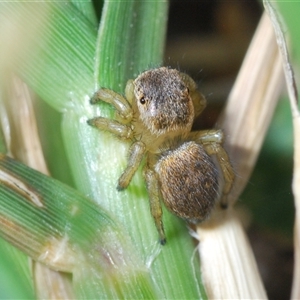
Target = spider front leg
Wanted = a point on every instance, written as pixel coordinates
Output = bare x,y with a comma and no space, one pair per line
123,109
121,105
136,154
155,204
120,129
212,142
198,99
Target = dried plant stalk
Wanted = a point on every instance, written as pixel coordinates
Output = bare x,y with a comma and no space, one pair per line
251,103
25,145
296,191
293,96
228,265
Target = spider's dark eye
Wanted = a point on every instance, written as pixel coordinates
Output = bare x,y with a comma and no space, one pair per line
142,100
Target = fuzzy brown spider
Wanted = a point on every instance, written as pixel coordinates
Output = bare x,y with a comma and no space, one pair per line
157,114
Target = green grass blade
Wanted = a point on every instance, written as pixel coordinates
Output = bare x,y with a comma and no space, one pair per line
132,35
2,143
57,226
53,49
15,275
87,9
125,42
49,126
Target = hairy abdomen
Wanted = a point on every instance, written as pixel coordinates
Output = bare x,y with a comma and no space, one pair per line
189,181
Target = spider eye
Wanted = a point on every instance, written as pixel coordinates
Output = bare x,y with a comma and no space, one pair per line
142,100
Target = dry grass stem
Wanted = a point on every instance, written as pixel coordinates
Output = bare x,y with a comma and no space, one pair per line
228,266
296,191
50,284
293,95
25,145
251,103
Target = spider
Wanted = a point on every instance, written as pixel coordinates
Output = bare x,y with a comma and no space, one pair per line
157,114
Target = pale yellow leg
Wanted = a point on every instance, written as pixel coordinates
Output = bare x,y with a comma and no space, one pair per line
199,100
211,141
136,154
121,105
207,136
155,204
114,127
225,165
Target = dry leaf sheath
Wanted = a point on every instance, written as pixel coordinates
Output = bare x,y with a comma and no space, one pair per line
293,96
224,250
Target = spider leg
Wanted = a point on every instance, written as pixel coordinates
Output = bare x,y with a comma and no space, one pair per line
136,154
207,136
212,143
123,109
199,100
121,105
155,204
120,130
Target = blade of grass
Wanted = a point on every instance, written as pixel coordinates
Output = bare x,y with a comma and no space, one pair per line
254,96
15,281
15,277
49,129
3,148
25,146
127,32
140,42
293,96
245,121
49,283
87,9
52,45
57,226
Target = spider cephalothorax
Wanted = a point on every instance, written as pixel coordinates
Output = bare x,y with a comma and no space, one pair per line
167,107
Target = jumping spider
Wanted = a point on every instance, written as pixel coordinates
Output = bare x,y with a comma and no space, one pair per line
157,115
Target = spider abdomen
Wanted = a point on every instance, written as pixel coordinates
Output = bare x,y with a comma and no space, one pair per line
189,181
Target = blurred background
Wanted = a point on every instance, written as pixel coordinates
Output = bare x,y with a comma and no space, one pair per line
208,40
